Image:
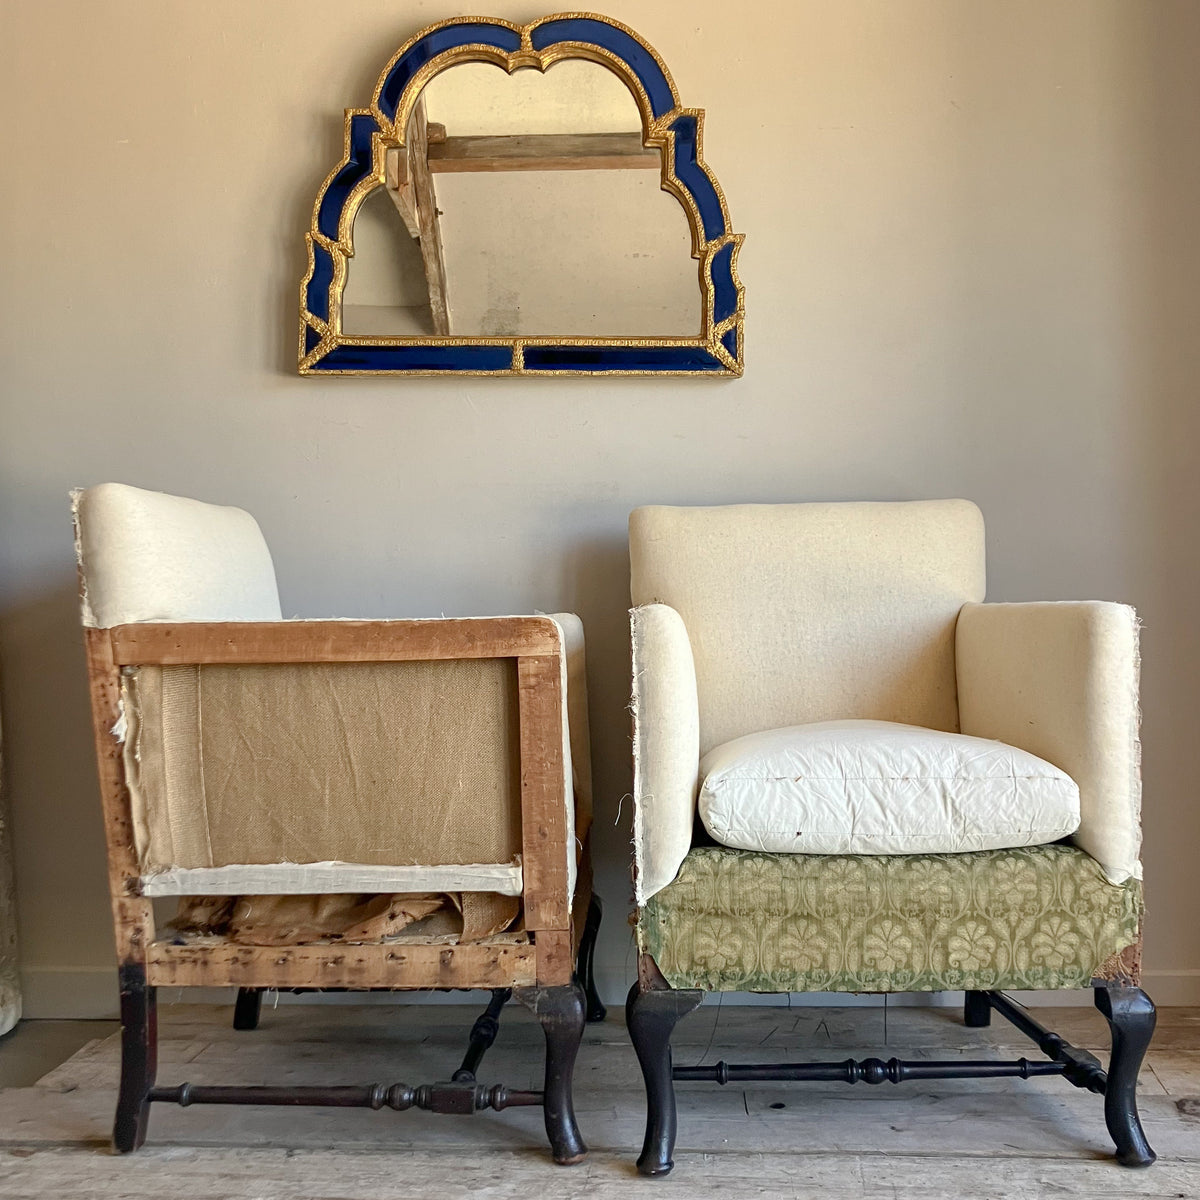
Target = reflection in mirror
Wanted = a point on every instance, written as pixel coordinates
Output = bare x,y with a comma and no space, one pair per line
386,292
523,205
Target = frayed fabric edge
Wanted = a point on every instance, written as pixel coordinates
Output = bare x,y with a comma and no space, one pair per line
638,816
87,616
1135,754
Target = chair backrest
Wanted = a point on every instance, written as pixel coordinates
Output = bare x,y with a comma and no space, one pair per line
812,612
147,556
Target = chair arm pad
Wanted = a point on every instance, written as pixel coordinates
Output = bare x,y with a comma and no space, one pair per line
579,743
1061,681
666,746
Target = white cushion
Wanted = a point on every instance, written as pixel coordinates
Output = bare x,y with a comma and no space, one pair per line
875,787
148,556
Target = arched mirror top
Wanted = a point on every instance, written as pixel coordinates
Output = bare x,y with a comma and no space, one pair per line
494,224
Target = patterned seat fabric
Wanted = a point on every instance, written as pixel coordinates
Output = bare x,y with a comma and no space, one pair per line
1034,917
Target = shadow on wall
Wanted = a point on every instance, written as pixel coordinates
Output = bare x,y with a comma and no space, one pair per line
595,585
1163,156
50,778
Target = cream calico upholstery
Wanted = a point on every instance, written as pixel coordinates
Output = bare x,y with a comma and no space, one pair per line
576,715
755,617
148,556
1061,680
666,746
306,777
814,612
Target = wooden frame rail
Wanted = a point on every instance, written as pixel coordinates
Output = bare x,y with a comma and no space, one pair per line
545,955
155,644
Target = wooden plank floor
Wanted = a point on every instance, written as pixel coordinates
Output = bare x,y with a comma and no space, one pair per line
965,1139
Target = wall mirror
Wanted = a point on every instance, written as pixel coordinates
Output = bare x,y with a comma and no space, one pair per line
522,200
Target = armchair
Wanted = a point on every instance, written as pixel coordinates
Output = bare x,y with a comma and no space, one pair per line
369,805
900,788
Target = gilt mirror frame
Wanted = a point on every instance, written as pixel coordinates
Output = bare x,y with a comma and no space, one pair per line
370,133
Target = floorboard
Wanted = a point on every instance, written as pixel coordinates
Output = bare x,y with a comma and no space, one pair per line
967,1139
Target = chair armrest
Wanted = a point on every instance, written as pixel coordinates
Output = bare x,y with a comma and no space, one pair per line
578,736
1061,681
666,746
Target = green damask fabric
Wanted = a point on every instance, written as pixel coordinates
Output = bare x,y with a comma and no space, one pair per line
1034,917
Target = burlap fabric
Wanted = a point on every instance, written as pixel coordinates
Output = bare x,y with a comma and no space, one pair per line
296,920
396,764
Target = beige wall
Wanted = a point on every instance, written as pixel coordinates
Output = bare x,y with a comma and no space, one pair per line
971,269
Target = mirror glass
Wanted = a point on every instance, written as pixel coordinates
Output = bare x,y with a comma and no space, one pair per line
523,204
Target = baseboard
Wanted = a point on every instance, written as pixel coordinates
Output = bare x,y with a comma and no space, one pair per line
1172,989
90,993
69,993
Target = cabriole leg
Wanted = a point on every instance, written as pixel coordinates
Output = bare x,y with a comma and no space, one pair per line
561,1011
247,1008
139,1058
977,1012
1131,1017
651,1016
586,968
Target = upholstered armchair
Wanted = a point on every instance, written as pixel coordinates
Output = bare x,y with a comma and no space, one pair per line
342,804
853,775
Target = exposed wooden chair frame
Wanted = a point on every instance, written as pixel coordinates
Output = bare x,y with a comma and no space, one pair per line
535,966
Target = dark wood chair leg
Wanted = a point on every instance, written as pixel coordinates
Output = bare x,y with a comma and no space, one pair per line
651,1015
585,968
247,1009
1131,1017
483,1034
561,1011
977,1012
139,1058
